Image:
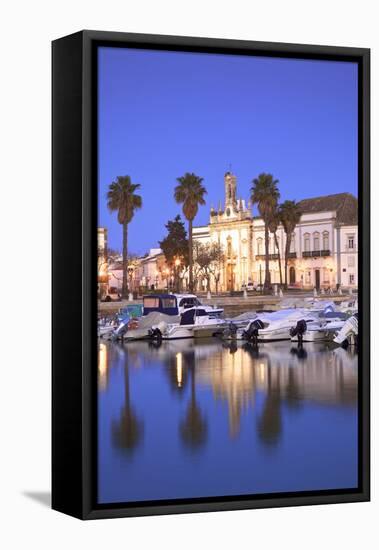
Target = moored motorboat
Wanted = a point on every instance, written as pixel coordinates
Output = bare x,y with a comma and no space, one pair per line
323,328
195,322
176,304
143,326
276,325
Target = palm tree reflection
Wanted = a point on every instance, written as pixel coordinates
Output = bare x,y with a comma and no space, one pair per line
193,429
127,431
293,392
269,425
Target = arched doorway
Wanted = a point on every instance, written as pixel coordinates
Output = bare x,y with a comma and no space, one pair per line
292,275
229,277
317,279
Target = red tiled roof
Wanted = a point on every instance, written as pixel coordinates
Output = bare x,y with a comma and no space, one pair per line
344,204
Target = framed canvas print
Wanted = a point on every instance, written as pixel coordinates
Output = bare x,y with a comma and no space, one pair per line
210,275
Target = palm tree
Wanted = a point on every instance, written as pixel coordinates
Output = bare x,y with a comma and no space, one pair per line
290,215
121,197
265,194
190,192
273,226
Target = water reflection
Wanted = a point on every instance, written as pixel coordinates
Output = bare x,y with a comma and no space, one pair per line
193,429
127,430
179,399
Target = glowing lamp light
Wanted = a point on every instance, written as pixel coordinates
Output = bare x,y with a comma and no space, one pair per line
179,369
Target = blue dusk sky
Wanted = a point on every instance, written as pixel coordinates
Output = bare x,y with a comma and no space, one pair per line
162,114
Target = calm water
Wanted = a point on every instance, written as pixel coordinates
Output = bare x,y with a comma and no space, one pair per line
197,419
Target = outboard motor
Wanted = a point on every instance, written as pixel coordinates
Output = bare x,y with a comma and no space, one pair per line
120,330
229,333
299,330
252,331
155,334
232,331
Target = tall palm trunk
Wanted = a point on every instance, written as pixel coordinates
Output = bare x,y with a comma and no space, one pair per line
279,259
287,251
267,266
125,260
190,255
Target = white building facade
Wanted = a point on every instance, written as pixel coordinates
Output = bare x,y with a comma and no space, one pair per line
324,247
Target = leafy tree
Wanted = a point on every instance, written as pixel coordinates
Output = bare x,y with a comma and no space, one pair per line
218,259
113,254
122,199
175,246
190,192
265,194
208,259
203,260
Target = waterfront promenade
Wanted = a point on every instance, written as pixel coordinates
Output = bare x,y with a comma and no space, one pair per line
233,305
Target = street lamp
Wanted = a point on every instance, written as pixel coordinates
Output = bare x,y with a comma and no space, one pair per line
177,265
167,273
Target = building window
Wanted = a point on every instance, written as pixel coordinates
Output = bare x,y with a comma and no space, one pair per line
350,261
259,247
316,241
307,242
350,241
351,279
293,243
229,240
325,240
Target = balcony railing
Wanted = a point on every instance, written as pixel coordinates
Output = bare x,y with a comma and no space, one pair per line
316,253
270,256
292,255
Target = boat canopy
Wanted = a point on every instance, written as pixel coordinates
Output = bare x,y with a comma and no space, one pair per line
163,303
188,317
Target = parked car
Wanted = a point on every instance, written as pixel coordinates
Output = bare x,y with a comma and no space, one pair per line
252,287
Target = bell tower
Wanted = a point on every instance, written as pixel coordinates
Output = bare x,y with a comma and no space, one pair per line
230,181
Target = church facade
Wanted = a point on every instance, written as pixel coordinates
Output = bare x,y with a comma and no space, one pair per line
324,248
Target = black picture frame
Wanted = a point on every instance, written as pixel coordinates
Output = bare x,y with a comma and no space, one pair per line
74,205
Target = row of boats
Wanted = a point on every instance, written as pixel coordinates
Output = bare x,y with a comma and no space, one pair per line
174,316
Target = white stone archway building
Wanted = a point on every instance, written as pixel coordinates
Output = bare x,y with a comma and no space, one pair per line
324,248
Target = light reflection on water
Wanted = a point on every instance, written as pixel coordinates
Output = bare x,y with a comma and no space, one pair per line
189,419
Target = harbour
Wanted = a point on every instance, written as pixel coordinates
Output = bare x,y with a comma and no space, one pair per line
207,418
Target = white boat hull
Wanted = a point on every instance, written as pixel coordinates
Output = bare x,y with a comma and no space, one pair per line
174,332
